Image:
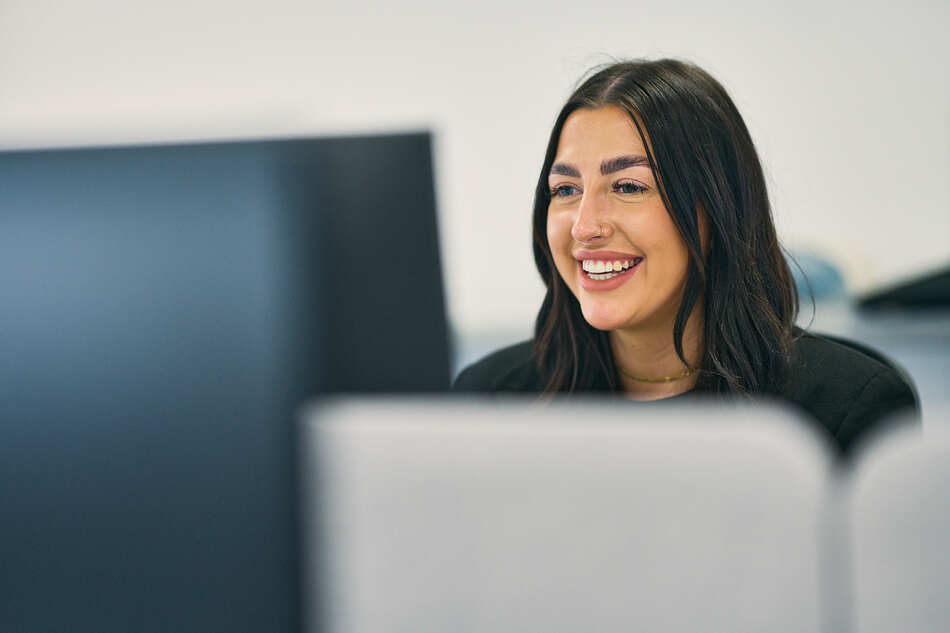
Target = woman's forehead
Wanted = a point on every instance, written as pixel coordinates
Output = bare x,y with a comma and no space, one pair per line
591,135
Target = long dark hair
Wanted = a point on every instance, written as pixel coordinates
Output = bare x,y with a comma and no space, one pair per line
703,157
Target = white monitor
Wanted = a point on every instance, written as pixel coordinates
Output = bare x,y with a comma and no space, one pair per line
900,517
518,516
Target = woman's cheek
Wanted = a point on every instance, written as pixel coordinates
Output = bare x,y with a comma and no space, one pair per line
559,238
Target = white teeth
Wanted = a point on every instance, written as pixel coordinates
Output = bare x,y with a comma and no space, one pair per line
600,266
600,269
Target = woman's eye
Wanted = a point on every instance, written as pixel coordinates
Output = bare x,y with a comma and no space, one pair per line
563,191
629,187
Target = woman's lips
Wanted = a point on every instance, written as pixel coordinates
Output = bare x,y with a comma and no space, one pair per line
607,256
615,280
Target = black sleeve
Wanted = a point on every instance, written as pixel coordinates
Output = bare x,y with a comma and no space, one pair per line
884,400
470,381
508,370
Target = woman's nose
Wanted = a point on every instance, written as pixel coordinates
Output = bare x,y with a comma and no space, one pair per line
590,225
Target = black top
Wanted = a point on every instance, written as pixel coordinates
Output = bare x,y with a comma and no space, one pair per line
848,389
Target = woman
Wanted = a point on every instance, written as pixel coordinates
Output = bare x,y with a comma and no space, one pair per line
654,236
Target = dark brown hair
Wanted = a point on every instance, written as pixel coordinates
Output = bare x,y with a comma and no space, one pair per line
703,158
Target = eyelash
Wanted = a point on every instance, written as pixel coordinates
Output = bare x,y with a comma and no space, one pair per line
638,189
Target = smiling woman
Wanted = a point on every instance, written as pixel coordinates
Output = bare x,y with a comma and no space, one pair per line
653,234
616,247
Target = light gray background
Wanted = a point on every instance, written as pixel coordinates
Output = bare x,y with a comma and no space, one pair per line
849,105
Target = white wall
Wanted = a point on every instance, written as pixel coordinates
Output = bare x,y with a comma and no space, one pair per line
849,104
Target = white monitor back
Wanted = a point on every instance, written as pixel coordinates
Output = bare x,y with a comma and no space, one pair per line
447,516
900,516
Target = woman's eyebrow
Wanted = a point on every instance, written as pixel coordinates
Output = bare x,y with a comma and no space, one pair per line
564,169
609,166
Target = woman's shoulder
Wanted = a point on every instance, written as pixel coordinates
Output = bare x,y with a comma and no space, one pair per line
839,363
851,388
510,369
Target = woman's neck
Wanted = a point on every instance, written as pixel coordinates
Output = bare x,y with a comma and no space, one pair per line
650,354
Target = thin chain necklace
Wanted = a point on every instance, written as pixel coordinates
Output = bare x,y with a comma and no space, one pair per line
682,374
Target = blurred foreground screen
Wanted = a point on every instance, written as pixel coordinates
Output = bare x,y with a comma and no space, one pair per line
165,310
516,515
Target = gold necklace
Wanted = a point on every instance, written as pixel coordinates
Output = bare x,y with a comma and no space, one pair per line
683,374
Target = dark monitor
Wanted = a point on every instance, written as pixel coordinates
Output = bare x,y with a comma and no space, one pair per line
928,291
164,311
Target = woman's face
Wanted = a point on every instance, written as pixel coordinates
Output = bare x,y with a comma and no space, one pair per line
613,241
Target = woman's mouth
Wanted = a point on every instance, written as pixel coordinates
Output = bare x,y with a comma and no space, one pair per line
601,275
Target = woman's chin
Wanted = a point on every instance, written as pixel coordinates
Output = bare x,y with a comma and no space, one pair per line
606,320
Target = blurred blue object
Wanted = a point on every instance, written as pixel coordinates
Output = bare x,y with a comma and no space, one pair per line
816,277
